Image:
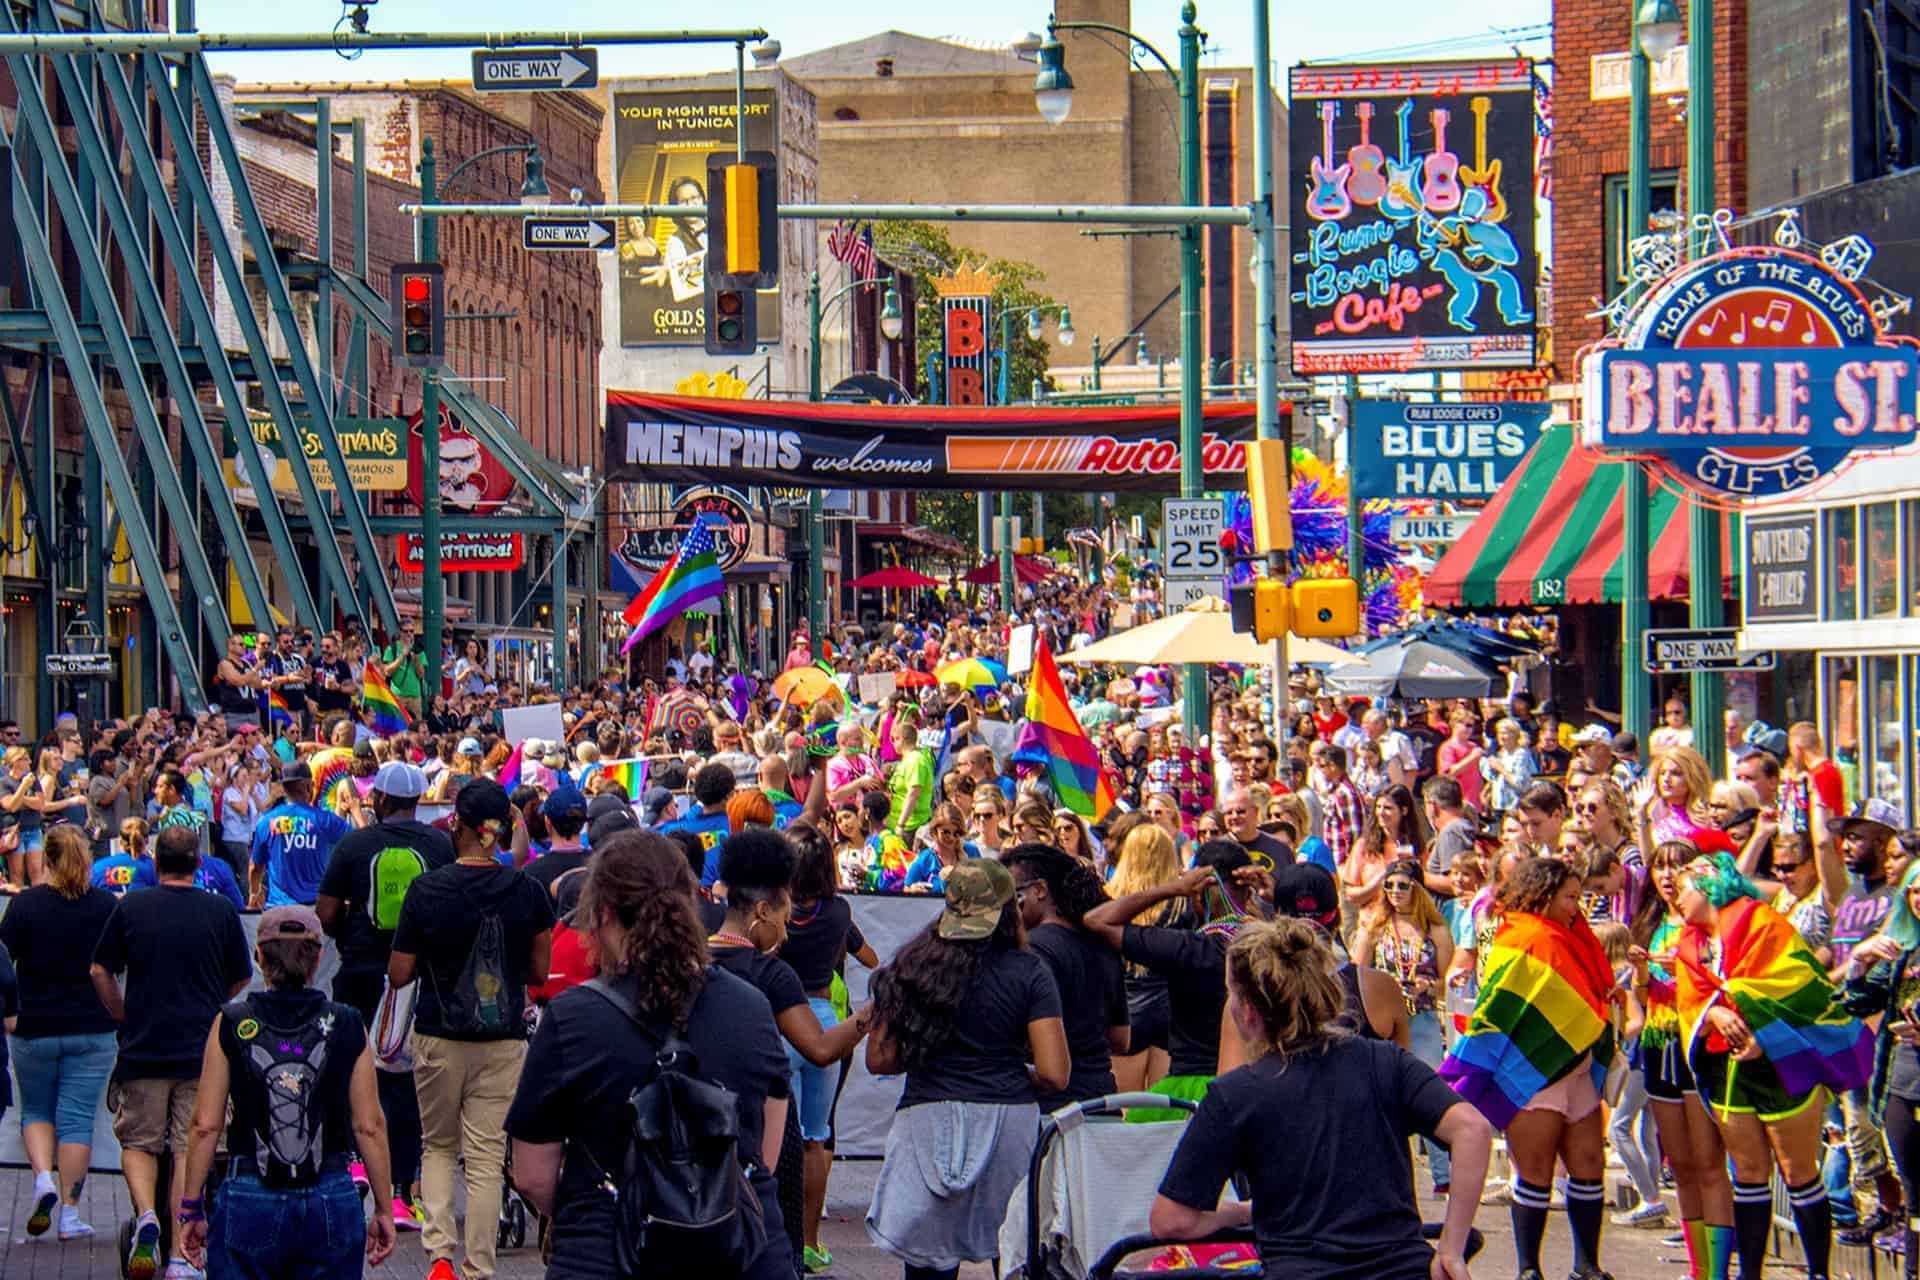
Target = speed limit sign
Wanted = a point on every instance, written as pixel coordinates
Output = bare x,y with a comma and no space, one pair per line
1191,532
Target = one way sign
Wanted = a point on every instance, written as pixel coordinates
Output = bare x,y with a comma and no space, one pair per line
1673,650
522,70
567,233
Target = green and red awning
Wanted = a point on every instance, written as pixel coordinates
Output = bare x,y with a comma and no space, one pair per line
1554,535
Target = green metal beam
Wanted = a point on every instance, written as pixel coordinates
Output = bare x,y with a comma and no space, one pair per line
95,158
542,525
101,437
126,42
198,314
16,438
1157,215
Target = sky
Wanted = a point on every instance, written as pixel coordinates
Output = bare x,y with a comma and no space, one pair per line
1399,28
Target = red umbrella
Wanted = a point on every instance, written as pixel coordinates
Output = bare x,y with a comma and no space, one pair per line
1026,569
894,578
908,678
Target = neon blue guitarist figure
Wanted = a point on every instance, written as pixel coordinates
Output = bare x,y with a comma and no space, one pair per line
1471,253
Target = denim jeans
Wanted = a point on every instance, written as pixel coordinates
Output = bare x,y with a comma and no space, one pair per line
62,1079
313,1233
1429,1044
1836,1172
1636,1139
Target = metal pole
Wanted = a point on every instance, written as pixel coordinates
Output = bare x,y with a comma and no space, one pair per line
1706,606
1096,362
1635,697
816,514
432,589
1356,512
1146,215
124,42
1192,358
1266,259
559,584
740,102
1006,498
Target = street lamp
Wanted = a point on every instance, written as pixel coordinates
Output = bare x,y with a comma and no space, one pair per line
1053,95
890,321
1065,334
533,193
1657,22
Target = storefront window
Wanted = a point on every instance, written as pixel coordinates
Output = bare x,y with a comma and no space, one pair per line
1883,560
1913,557
1887,731
1843,564
1841,728
1794,678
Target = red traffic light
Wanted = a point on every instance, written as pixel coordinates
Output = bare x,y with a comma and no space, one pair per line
729,302
416,288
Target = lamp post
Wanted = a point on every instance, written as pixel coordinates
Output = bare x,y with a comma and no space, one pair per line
1003,396
1706,608
891,326
1053,95
533,192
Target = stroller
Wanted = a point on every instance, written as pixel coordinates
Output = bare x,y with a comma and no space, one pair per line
1082,1210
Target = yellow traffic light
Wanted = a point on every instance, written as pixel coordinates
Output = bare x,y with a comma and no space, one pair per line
743,219
1270,495
1326,608
1272,609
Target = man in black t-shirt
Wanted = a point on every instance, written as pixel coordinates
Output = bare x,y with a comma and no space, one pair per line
332,685
469,1036
287,676
566,814
184,955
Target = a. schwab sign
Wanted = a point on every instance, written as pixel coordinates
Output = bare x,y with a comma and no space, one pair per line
1753,373
1441,452
688,440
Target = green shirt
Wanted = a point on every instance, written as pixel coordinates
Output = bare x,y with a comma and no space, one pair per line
914,770
407,678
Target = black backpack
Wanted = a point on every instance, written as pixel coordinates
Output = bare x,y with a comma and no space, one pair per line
482,1002
286,1063
683,1205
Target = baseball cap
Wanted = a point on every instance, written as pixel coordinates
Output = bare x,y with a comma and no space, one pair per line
295,771
398,780
654,805
468,747
1306,892
977,890
1593,733
294,921
482,800
566,802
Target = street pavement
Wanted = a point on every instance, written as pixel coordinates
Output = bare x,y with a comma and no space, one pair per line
1630,1255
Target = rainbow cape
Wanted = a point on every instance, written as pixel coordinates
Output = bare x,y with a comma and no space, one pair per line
1053,734
1778,986
332,768
630,774
691,576
1542,1008
389,717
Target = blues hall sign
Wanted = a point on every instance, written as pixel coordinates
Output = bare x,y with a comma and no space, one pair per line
1755,372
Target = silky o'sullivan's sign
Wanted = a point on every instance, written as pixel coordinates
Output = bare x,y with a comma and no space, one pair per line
1754,372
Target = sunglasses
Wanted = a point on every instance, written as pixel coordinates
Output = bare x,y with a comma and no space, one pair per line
1398,886
1587,806
1788,868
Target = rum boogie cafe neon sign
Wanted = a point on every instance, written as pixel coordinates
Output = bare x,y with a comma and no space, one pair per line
1754,372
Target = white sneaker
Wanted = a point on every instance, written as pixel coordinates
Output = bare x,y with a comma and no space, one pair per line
1497,1192
71,1227
1649,1213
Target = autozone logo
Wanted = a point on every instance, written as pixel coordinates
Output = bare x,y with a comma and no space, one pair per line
1086,455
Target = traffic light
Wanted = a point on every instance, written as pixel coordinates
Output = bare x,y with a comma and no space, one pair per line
743,220
418,297
730,319
1262,607
1270,490
1326,608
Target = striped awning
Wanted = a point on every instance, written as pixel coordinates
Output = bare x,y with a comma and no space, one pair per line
1554,533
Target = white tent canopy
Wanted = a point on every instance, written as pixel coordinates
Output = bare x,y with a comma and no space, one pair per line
1202,632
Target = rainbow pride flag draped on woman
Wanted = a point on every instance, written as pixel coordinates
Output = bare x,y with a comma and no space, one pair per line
1771,978
1543,1007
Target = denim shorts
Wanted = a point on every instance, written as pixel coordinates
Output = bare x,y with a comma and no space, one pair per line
32,841
317,1232
813,1086
62,1079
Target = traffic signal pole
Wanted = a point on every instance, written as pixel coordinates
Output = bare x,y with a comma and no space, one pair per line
432,583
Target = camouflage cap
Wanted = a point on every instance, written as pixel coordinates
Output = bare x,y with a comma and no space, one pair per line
977,889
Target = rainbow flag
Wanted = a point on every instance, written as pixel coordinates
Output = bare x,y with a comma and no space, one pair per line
691,576
1053,731
630,774
888,858
332,768
389,717
278,712
513,767
1542,1008
1779,987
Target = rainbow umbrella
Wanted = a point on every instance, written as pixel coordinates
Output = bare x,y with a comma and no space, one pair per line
802,686
972,673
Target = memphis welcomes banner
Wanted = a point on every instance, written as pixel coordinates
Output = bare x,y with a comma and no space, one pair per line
688,440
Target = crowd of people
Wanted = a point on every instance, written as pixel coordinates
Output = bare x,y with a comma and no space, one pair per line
1343,930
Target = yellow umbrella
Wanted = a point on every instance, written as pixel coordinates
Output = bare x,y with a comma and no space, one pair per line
1202,632
803,685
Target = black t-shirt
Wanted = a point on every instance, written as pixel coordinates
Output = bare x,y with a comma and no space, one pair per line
1195,967
553,864
1268,850
349,877
182,950
1322,1139
1093,997
51,940
326,699
769,975
440,920
819,936
293,693
587,1057
985,1058
289,1010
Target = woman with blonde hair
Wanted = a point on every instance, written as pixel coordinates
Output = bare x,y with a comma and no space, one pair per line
1402,933
1147,858
20,822
1671,802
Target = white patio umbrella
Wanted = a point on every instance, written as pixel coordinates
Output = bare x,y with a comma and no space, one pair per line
1202,632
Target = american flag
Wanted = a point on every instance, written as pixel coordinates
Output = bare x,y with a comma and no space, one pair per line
852,245
1542,138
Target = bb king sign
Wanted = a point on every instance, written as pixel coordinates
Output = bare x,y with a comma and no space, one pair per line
1754,372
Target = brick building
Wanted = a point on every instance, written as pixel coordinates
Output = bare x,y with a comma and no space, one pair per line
1590,155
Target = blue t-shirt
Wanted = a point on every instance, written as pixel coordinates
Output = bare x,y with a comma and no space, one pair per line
1314,850
123,872
712,829
926,869
293,841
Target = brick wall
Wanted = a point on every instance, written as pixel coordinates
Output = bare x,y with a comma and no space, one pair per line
1590,144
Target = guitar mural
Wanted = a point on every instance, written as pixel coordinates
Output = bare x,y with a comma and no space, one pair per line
1369,180
1328,201
1440,174
1417,253
1483,175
